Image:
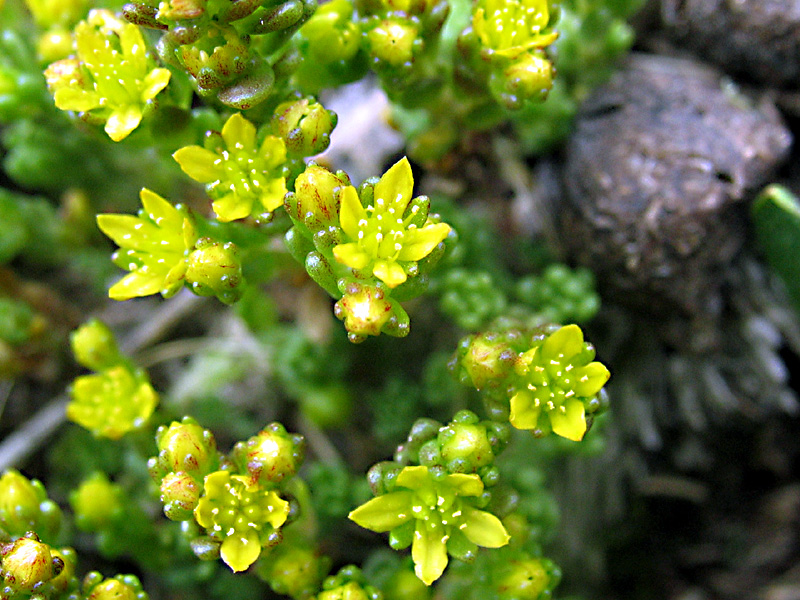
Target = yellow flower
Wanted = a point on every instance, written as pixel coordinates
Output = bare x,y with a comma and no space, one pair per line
559,378
440,510
382,238
241,514
241,177
112,403
154,247
111,80
511,27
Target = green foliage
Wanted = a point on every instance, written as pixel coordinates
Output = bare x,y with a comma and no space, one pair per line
776,215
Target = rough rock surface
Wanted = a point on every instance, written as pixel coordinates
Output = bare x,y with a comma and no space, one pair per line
756,39
657,169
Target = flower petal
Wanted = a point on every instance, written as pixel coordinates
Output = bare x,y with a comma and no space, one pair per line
159,210
429,552
465,484
240,133
483,528
199,164
278,510
414,478
396,186
232,207
418,243
70,98
351,212
389,272
351,255
524,412
272,197
122,121
155,81
384,513
273,152
591,379
129,231
240,551
135,285
564,343
569,421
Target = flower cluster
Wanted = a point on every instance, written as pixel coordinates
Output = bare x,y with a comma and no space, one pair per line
111,80
163,251
236,500
545,382
511,36
118,398
362,245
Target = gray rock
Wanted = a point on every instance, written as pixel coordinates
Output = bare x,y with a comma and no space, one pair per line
756,39
657,169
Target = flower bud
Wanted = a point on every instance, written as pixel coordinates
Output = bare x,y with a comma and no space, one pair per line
180,494
121,587
528,579
331,33
271,456
94,346
529,77
466,445
488,360
393,41
24,506
214,269
304,125
97,503
294,571
187,447
27,564
348,591
315,201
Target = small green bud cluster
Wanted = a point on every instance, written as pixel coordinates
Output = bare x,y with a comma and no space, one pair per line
186,454
235,499
223,46
24,507
560,294
348,584
119,587
367,247
471,298
294,570
465,445
544,381
118,398
507,574
330,42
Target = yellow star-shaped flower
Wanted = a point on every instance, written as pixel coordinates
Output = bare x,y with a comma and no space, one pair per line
382,238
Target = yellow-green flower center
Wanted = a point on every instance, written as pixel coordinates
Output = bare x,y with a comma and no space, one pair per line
382,233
